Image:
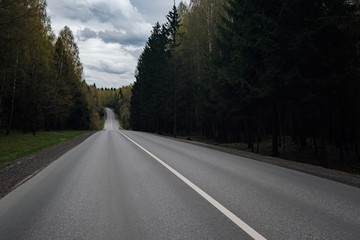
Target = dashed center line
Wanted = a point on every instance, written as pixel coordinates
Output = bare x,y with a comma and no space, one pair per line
240,223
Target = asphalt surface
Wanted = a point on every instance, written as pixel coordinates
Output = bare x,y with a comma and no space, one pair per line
120,185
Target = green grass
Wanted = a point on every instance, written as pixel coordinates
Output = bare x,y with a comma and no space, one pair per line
236,145
121,125
18,145
101,123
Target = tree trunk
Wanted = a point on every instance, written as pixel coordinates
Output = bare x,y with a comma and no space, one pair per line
303,140
275,151
357,151
2,91
250,131
315,144
281,128
214,129
13,95
323,161
258,130
315,131
34,100
175,101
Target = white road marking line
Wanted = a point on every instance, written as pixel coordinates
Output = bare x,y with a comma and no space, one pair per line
255,235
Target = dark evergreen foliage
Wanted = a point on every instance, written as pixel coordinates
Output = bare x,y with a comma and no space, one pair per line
270,68
153,98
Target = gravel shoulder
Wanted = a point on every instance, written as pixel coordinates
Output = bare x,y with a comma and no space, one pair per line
14,173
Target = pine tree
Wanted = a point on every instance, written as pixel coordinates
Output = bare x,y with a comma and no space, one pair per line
171,29
149,99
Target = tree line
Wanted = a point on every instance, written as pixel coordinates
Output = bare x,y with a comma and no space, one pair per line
41,84
246,70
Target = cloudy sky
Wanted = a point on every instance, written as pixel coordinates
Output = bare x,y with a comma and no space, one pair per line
110,34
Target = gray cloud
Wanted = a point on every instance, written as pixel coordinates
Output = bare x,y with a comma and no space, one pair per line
104,12
116,36
79,11
86,33
86,11
109,68
113,36
158,9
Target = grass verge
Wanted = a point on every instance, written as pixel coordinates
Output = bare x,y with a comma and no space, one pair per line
18,145
101,123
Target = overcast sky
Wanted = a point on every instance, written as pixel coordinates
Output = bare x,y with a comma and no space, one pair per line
111,34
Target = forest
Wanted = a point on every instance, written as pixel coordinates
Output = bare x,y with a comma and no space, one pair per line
41,83
256,71
119,101
280,73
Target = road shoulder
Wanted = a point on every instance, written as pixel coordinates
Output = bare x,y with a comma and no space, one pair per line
330,174
16,172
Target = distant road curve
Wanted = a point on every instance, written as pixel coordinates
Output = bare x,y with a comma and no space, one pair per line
133,185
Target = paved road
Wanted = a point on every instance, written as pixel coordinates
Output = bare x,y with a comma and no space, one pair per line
132,185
